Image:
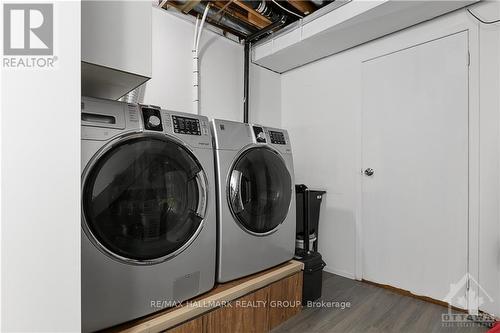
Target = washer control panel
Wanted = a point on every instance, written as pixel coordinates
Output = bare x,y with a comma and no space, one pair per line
277,137
184,125
152,119
260,136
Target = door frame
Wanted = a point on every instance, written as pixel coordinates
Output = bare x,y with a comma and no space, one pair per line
432,30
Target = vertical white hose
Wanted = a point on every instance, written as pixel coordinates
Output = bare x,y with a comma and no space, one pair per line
195,33
201,26
196,90
195,68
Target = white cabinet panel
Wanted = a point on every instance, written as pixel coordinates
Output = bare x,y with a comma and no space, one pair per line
116,46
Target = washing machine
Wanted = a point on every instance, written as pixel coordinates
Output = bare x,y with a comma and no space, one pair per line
256,198
148,237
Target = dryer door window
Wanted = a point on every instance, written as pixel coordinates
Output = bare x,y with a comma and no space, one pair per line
260,190
144,199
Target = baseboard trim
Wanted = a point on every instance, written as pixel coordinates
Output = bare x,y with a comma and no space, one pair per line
408,293
339,272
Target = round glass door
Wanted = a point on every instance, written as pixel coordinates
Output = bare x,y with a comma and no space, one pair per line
260,190
144,199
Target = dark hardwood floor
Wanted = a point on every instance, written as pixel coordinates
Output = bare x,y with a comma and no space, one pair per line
372,309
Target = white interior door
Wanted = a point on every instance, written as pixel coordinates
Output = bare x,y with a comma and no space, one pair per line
415,137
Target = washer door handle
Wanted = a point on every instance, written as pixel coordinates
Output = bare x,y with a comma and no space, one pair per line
201,181
235,191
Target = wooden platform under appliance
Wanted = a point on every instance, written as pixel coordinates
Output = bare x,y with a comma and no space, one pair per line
256,303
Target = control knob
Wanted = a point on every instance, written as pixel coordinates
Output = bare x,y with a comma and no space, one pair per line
153,121
261,137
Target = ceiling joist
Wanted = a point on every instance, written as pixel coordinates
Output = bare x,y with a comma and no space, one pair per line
243,18
252,12
305,7
255,21
186,8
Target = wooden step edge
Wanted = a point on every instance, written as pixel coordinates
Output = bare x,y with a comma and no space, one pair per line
211,302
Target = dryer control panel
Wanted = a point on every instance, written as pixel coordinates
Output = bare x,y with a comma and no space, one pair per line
185,125
232,135
192,129
277,137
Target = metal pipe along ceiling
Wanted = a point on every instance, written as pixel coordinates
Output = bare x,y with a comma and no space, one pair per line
252,38
252,35
224,20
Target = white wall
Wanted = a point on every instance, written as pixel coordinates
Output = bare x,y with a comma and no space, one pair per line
265,97
321,107
221,74
40,189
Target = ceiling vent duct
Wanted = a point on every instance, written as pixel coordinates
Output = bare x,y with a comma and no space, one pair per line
248,20
318,3
219,17
264,8
244,18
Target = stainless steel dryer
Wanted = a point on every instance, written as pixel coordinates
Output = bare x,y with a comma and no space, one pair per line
256,199
148,210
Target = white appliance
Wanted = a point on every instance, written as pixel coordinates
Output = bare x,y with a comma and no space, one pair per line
148,210
256,198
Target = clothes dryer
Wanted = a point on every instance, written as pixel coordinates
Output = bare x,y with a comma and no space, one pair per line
256,198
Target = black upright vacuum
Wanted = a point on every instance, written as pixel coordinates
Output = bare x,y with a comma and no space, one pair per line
306,242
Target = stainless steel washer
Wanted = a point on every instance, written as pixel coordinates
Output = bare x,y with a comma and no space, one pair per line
148,210
256,198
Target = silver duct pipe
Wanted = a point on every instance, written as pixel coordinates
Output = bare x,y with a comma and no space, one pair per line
224,20
318,3
246,74
263,8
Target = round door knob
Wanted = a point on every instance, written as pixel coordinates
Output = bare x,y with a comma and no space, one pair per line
369,172
154,121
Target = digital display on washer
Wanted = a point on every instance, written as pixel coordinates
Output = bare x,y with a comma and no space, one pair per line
277,138
184,125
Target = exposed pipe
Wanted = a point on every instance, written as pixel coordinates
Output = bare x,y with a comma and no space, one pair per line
196,76
240,27
195,68
267,30
286,10
207,9
195,31
246,71
246,74
262,7
230,22
318,3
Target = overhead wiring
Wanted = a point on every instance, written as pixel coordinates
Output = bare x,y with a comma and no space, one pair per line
480,19
286,10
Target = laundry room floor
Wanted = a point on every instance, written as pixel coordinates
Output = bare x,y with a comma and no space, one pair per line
372,309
